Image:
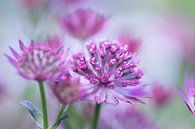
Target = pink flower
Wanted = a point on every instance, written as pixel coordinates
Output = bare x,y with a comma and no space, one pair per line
54,42
67,89
125,117
133,44
189,94
38,61
83,23
161,95
111,73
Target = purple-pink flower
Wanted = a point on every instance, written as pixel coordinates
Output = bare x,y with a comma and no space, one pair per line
83,23
54,42
67,89
189,94
110,73
161,95
125,117
133,44
38,61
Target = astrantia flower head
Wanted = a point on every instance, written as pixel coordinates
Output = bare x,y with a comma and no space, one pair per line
67,89
189,94
125,117
54,42
83,23
161,95
38,61
111,72
132,43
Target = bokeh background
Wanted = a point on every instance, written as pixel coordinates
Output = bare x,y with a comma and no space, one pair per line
165,27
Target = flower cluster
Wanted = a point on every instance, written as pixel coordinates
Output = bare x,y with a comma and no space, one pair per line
111,72
83,23
67,89
38,61
125,117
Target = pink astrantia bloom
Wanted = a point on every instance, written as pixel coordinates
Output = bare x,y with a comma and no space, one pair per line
189,94
54,42
83,23
161,95
132,43
67,89
125,117
111,73
38,61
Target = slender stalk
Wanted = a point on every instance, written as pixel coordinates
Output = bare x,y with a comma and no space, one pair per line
44,105
96,116
62,110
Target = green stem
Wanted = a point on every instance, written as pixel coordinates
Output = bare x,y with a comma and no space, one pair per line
62,110
60,113
96,116
44,105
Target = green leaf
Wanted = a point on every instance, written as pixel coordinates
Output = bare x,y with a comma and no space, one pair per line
35,113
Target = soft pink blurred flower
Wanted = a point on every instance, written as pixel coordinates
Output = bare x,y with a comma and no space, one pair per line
38,61
83,23
111,73
54,42
132,43
67,89
161,95
178,29
125,117
189,94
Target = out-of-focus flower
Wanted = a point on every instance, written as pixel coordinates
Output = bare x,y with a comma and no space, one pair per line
133,44
189,94
161,95
111,73
38,61
183,33
125,117
67,89
54,42
83,23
